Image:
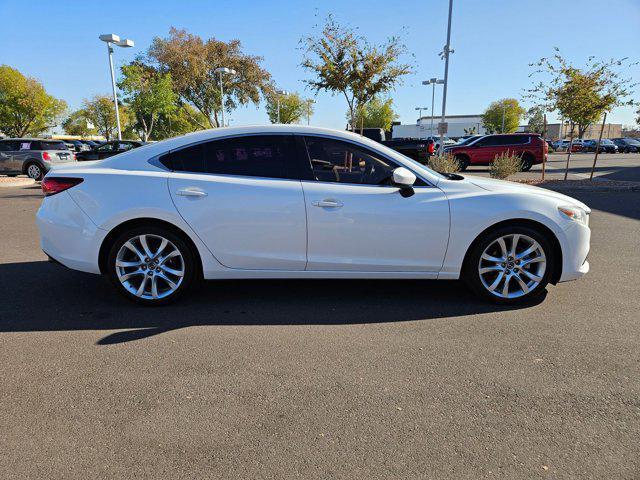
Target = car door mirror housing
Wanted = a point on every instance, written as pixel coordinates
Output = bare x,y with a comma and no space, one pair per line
403,177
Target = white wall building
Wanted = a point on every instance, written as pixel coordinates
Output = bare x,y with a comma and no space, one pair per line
456,127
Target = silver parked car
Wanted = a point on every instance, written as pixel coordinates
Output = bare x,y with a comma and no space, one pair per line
32,156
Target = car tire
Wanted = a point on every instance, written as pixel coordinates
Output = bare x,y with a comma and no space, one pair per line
526,163
463,162
526,277
34,171
157,256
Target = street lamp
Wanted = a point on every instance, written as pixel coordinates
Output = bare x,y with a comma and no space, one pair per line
446,51
222,70
309,102
112,39
420,111
279,93
434,82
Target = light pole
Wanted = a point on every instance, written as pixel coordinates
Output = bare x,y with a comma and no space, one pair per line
504,110
279,93
420,112
112,39
222,70
434,82
309,102
446,51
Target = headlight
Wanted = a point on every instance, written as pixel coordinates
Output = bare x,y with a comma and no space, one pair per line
575,213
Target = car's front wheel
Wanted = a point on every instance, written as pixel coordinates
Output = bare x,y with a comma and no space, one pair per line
510,264
151,265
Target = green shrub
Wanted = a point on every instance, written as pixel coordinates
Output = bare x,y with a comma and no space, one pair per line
444,163
504,165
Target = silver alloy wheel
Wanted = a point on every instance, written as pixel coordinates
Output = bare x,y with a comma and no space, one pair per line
150,266
34,171
512,265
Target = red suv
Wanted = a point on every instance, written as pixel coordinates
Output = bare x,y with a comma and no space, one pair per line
528,146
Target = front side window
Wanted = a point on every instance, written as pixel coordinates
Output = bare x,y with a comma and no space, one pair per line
343,162
8,146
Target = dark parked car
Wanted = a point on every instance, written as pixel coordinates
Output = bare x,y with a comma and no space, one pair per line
627,145
530,147
417,148
108,149
606,146
77,145
32,156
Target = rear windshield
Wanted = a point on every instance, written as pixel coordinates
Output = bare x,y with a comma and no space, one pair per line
53,146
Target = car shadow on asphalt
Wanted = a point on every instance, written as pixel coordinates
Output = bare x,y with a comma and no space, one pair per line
41,296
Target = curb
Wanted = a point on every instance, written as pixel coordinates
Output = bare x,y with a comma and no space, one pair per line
16,182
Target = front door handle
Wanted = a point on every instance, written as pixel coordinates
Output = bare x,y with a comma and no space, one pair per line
191,192
328,203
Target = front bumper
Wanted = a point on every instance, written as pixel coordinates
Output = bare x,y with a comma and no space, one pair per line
574,252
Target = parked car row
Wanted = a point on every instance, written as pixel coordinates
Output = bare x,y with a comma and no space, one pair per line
34,157
613,145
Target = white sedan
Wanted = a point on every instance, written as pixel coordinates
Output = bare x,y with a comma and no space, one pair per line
299,202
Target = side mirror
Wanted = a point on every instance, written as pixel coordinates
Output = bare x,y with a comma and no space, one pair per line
403,177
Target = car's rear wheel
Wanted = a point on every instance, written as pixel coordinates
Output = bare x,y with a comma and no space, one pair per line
151,265
510,264
35,171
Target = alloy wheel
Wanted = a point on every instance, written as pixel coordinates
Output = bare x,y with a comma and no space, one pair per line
150,266
34,171
512,266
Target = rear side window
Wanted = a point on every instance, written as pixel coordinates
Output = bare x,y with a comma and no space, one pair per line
251,156
51,145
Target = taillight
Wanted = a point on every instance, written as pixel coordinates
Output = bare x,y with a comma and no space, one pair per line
46,156
53,185
431,148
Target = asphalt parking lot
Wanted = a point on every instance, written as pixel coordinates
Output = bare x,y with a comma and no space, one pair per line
618,167
319,379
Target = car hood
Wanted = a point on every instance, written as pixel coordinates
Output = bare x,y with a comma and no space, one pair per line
494,185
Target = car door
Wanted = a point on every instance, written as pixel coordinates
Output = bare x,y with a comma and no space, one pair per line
357,221
241,197
8,162
484,150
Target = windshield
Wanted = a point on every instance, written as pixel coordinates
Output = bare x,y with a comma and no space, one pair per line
632,141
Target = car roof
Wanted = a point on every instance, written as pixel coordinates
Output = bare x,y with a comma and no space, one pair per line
140,156
28,139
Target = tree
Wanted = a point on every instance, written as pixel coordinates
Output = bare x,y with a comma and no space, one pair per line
183,119
502,116
25,106
292,107
580,95
192,63
536,119
78,124
343,62
102,114
148,93
377,113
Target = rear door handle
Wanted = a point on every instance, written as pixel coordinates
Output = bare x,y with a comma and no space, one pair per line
191,192
328,203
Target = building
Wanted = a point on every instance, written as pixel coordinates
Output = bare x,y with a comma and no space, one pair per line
556,131
460,125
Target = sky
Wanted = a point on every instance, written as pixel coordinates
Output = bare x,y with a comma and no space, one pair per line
494,42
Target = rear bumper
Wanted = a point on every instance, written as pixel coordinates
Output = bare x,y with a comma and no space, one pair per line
67,235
